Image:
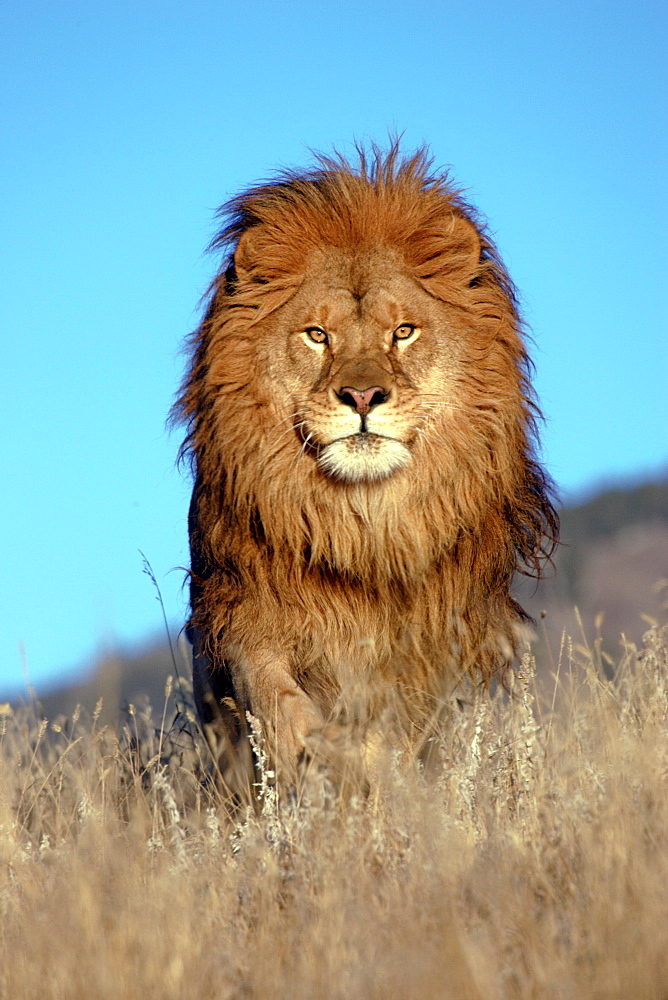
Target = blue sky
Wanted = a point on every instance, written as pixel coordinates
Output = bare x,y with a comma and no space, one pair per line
124,125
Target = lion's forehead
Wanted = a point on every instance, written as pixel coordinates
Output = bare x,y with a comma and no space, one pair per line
338,307
375,294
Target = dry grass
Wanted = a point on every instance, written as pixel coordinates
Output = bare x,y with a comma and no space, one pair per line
527,860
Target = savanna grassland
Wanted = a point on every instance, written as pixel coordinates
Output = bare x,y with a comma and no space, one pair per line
526,858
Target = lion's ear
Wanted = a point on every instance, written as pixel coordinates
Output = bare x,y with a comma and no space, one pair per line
264,262
247,256
466,248
449,252
265,272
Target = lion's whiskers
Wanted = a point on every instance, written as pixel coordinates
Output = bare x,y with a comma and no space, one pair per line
444,403
294,428
302,451
429,430
428,433
283,420
484,416
289,430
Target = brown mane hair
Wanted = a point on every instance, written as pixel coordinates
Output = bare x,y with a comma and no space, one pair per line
423,564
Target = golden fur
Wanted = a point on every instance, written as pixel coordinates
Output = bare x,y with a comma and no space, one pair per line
333,549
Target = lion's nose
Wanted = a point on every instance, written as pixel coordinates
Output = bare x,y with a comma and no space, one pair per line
362,400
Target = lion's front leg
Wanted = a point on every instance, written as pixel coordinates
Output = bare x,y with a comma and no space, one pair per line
288,716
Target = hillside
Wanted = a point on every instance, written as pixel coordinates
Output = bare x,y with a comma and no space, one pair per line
612,564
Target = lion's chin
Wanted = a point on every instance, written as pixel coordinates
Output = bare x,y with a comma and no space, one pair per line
363,457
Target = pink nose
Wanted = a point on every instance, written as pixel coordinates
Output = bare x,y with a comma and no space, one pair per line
362,400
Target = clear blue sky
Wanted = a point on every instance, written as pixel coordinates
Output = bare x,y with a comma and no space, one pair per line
125,124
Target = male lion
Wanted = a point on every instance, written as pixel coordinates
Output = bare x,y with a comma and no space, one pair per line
361,429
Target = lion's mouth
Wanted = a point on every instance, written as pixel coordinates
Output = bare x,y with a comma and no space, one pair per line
363,456
364,439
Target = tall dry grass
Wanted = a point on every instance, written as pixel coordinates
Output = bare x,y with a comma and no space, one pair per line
528,859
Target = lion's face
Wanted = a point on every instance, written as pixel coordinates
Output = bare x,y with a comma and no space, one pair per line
363,359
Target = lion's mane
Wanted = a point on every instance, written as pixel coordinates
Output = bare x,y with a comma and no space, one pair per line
420,566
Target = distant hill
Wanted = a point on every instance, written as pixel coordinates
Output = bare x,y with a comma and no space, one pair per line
121,680
612,564
619,516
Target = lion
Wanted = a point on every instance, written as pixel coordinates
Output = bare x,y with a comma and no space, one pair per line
362,432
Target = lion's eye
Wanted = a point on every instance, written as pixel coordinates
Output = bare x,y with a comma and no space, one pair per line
315,334
404,332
